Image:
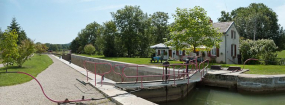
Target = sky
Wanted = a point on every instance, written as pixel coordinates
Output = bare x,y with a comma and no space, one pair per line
59,21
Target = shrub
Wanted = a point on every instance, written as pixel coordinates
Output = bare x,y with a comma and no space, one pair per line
260,49
25,50
89,49
41,48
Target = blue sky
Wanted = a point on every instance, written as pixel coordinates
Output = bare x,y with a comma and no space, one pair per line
59,21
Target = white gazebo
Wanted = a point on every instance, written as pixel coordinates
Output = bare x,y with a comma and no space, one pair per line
170,52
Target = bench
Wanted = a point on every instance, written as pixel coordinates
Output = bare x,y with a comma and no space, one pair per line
216,67
232,68
156,59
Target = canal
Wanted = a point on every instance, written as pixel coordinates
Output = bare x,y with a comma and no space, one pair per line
222,96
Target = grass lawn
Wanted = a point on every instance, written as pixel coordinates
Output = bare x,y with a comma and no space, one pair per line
281,54
34,66
145,61
260,69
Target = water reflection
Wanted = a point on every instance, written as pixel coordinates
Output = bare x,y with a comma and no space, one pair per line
218,96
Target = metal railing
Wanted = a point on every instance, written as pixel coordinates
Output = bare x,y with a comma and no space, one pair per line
179,71
95,69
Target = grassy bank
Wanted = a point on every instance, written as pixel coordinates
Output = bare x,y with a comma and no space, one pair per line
145,61
281,54
34,66
260,69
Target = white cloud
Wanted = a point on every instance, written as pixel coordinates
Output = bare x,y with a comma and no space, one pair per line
281,14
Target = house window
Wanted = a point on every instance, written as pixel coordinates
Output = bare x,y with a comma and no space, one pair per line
233,34
213,51
180,52
173,52
158,53
233,50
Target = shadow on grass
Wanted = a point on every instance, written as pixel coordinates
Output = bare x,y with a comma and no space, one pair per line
13,68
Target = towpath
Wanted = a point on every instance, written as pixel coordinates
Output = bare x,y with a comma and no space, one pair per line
59,82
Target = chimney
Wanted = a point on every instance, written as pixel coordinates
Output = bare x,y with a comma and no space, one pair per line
211,21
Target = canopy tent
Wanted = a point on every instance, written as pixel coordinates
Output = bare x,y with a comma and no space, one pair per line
163,46
160,46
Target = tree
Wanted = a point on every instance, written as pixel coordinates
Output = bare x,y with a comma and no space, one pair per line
159,22
21,33
128,21
1,33
109,32
25,50
193,26
41,48
225,17
74,45
8,46
256,21
89,49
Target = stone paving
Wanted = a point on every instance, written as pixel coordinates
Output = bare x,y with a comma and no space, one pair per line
59,82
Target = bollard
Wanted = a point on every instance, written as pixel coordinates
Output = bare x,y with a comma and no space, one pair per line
187,62
166,64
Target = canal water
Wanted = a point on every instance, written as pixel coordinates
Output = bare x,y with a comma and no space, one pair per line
221,96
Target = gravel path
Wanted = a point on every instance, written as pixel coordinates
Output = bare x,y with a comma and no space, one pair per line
59,82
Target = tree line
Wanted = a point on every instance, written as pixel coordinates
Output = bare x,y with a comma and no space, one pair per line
129,34
57,47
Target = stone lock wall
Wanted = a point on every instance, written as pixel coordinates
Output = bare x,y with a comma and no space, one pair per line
130,71
166,93
154,94
247,83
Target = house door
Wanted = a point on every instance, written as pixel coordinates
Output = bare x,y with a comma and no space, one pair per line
170,53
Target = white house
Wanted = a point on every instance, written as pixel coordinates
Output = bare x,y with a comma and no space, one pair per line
226,53
229,47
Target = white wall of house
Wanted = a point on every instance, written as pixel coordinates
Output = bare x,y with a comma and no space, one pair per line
232,41
225,55
161,52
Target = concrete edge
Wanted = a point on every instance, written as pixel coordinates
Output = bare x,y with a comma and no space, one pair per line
120,97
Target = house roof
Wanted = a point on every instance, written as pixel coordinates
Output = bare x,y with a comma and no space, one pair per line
223,26
160,46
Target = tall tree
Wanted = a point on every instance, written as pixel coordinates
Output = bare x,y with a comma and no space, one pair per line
225,17
89,34
1,33
145,37
193,26
74,45
128,21
109,32
21,33
159,22
257,21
